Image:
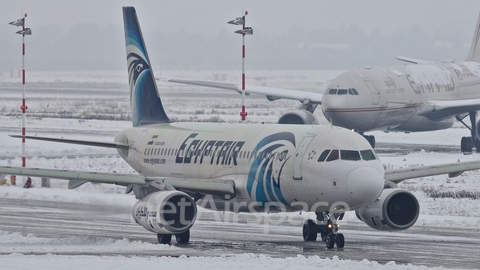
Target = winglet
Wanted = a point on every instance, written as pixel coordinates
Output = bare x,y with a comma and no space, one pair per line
147,107
474,54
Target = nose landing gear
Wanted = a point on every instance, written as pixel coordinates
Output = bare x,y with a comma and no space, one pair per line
325,225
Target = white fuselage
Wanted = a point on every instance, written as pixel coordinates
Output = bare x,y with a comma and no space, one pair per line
389,98
269,165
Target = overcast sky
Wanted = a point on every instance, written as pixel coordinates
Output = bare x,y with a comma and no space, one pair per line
265,16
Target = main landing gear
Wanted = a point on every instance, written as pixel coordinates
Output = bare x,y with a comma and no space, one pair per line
325,225
468,143
182,238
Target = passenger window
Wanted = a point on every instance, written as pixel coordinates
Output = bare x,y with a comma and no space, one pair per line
342,92
368,155
332,91
349,155
333,155
323,156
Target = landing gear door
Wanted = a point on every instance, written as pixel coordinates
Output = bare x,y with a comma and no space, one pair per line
374,91
298,158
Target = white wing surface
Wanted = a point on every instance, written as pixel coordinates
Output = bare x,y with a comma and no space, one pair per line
441,109
414,60
452,169
270,92
77,178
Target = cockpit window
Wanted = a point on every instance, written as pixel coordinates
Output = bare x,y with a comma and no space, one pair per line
333,155
342,91
349,91
332,91
353,91
368,155
323,156
349,155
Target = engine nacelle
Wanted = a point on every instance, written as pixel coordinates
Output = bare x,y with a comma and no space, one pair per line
395,209
477,130
298,117
165,212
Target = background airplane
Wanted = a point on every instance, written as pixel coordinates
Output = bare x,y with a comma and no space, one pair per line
244,167
425,96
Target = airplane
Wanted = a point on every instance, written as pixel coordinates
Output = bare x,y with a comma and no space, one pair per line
242,167
425,96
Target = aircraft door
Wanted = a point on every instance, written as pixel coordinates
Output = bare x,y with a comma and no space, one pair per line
375,93
298,158
137,156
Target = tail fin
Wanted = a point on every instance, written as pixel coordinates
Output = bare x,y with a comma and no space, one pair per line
474,54
147,107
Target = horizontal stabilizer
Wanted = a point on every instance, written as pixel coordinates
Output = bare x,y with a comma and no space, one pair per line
414,61
82,142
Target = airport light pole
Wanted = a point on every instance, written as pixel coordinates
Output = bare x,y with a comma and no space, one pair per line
244,31
23,107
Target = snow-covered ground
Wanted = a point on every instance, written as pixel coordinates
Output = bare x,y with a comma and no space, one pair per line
453,212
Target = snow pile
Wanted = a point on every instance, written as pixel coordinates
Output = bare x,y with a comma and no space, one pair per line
95,194
244,261
16,242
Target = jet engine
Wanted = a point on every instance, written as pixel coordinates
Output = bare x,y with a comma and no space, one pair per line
395,209
298,117
477,131
165,212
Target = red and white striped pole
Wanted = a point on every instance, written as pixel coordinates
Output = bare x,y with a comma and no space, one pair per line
23,107
243,32
243,113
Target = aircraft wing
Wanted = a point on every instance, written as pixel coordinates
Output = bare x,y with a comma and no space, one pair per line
82,142
413,60
441,109
270,92
78,178
452,169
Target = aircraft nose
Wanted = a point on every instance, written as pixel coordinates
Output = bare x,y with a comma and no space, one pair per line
365,184
334,102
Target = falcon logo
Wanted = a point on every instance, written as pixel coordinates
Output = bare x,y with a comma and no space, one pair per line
272,153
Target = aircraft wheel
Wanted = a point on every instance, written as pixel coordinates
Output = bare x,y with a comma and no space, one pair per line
466,145
310,230
340,240
183,238
330,241
477,145
164,238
